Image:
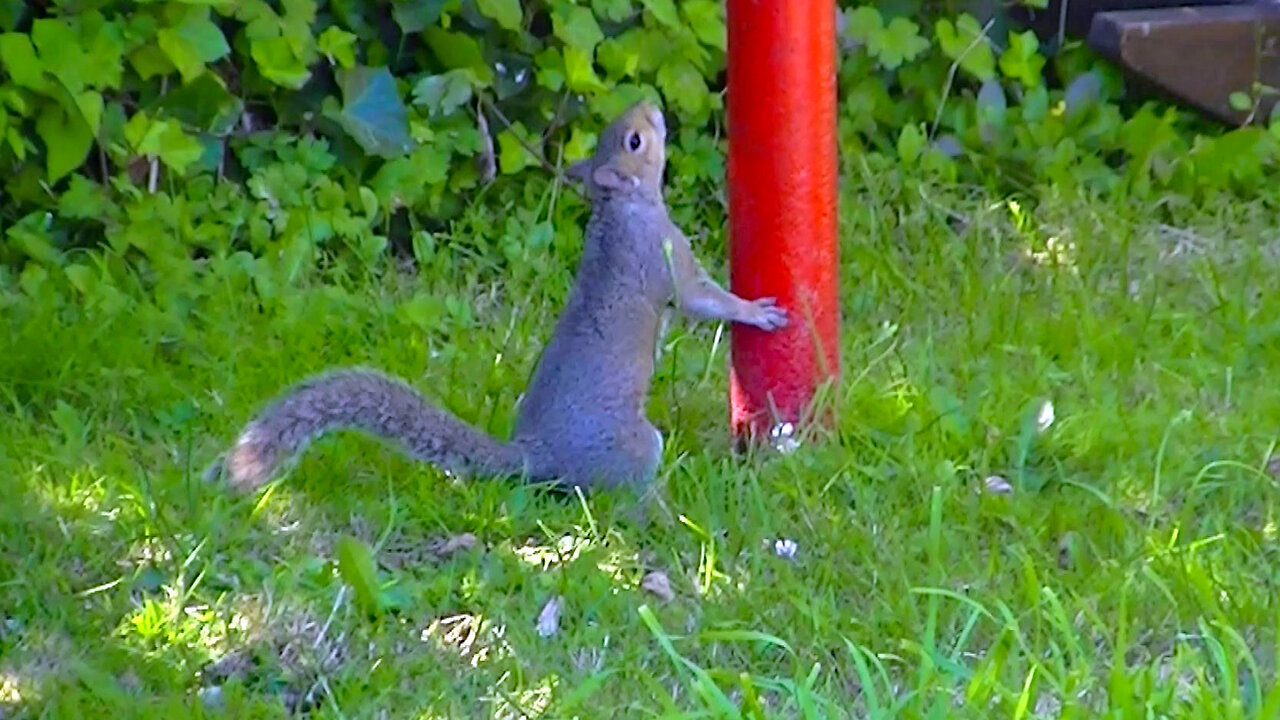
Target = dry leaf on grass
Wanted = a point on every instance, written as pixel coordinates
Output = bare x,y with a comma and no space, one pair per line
997,485
659,584
465,541
1045,417
549,619
405,552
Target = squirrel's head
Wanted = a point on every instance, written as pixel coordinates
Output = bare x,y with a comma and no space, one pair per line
629,156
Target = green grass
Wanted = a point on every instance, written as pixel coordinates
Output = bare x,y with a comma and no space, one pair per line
1131,572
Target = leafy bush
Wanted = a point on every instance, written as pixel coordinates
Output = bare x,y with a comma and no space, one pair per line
176,130
308,124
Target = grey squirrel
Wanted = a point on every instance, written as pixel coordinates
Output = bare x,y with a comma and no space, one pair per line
581,421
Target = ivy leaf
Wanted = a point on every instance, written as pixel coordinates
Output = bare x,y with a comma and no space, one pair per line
178,150
193,43
617,58
89,103
67,139
458,50
84,199
900,41
964,42
277,62
414,16
20,61
512,155
865,23
1022,60
581,144
550,69
31,236
652,47
607,106
150,61
579,73
372,111
576,26
60,52
910,143
699,156
706,18
664,11
143,134
295,26
103,42
683,85
506,12
398,184
163,139
1239,101
203,103
444,93
612,10
338,45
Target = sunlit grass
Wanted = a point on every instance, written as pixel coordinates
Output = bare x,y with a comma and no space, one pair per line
1128,572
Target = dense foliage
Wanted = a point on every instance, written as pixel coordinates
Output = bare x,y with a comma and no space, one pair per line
300,130
1049,491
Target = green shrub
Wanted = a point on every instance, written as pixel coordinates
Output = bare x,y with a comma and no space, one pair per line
169,131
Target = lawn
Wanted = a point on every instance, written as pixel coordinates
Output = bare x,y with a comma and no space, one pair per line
1046,492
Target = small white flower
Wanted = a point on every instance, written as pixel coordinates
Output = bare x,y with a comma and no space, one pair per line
785,548
783,437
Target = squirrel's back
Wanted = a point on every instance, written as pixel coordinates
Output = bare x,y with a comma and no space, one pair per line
592,379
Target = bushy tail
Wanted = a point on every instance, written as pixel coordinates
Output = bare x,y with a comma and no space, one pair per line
365,400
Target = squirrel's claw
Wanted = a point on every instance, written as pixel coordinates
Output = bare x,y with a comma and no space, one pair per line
767,315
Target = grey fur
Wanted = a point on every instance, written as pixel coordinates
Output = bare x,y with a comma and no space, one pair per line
582,418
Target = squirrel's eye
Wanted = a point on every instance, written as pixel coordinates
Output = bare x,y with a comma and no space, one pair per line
634,141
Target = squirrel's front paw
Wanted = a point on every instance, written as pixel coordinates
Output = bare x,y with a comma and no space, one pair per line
766,315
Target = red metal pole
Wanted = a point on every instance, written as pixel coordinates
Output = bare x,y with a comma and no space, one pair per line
782,204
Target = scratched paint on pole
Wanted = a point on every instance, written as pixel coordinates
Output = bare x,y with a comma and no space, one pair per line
782,203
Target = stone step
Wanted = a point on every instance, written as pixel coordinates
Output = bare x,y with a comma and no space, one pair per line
1199,55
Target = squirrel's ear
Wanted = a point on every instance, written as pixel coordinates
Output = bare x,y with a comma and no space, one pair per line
579,171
